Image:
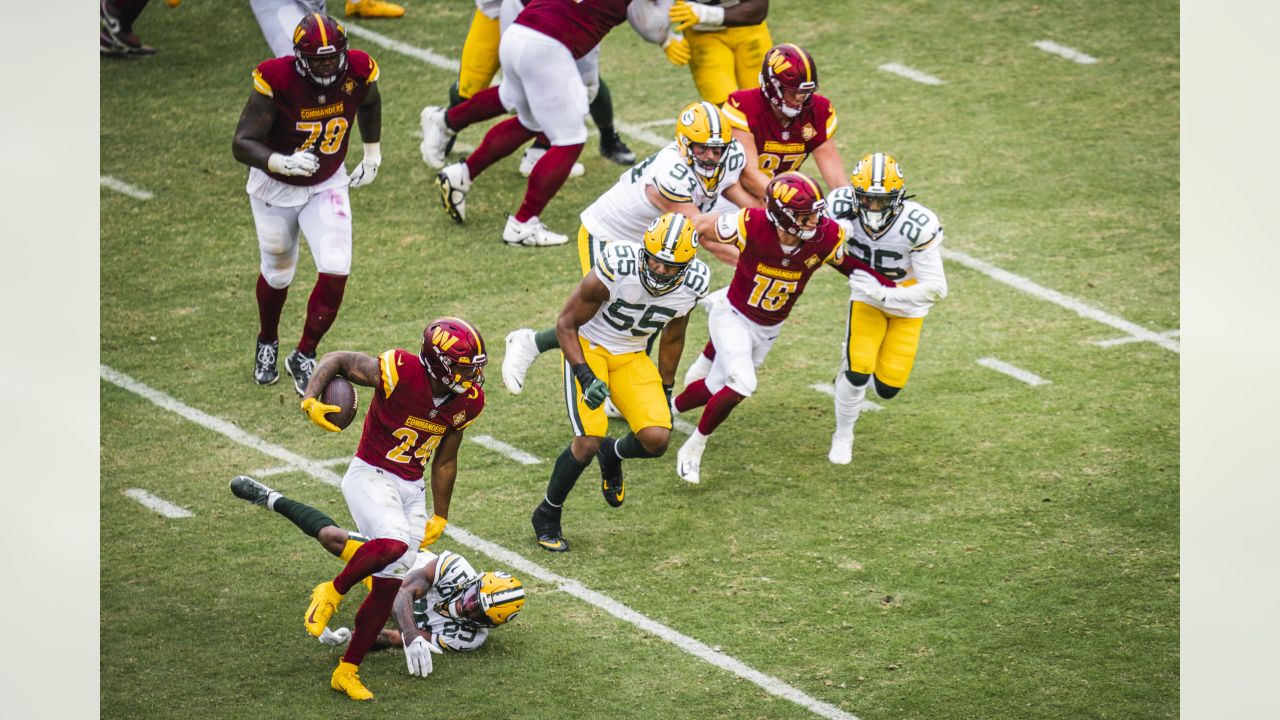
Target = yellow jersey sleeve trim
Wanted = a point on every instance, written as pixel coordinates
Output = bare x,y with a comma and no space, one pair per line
260,84
837,253
735,117
374,72
832,124
672,196
390,376
742,229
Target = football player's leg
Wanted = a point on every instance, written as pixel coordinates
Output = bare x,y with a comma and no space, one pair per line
711,65
326,224
557,100
589,248
479,61
589,427
749,46
277,229
277,19
864,333
897,355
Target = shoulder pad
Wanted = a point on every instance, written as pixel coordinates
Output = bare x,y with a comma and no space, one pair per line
923,220
362,66
617,260
698,278
452,572
272,75
841,204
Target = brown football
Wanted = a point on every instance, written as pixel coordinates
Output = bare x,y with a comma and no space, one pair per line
340,392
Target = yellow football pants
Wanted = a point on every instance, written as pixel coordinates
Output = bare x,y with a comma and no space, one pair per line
879,343
727,60
634,386
589,248
479,61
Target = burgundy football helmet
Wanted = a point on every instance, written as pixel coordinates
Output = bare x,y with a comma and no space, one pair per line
788,67
320,46
794,203
454,354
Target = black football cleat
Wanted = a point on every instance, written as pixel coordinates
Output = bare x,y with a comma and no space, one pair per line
300,365
264,363
548,534
246,488
616,150
611,483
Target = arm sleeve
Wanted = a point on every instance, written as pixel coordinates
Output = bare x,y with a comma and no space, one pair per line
930,286
649,20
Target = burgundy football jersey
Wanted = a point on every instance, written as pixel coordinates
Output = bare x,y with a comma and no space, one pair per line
768,281
404,425
310,118
579,24
781,148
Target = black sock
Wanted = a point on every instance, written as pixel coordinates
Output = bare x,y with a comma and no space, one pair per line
308,519
630,447
564,475
454,97
602,113
546,340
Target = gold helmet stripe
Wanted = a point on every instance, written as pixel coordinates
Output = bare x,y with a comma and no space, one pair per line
478,340
808,69
324,33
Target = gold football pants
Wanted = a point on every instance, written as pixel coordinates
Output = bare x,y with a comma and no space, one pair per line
479,61
880,343
634,386
727,60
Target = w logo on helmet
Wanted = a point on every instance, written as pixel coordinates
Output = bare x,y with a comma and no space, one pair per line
778,61
443,339
784,192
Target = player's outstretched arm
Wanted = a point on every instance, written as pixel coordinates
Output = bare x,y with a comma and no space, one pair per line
585,300
415,585
369,115
357,367
444,471
753,178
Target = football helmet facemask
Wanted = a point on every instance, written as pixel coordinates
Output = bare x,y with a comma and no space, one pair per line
320,49
670,240
703,136
794,203
788,67
879,187
489,600
454,354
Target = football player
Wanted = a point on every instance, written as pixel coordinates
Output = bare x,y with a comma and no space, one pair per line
686,176
633,292
900,239
541,82
293,134
727,39
422,403
781,246
442,600
278,18
115,35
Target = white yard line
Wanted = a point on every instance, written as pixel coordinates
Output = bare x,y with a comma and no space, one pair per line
282,469
829,389
1071,54
1130,339
423,54
164,507
910,73
655,123
768,683
1025,376
639,133
683,426
500,447
121,186
1079,307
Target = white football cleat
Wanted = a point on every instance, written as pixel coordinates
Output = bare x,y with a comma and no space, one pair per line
841,449
689,462
533,154
521,352
611,410
531,233
435,136
454,182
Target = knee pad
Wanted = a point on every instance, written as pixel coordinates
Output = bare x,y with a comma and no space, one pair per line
279,275
856,379
742,382
885,391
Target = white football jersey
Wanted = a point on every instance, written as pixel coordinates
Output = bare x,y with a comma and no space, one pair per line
895,253
624,211
453,572
630,315
489,8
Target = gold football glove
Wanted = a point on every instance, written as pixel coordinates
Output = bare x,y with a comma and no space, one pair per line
317,410
435,527
677,50
683,15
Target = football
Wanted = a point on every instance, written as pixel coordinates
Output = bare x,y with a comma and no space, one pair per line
340,392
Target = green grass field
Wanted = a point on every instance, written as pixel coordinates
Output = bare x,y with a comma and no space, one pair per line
997,550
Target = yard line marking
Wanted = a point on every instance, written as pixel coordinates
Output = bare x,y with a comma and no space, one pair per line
1066,301
121,186
654,123
640,133
1071,54
829,389
218,425
281,469
1025,376
910,73
1130,339
164,507
510,451
683,426
423,54
768,683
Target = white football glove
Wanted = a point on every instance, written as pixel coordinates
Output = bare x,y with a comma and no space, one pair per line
685,15
417,655
367,170
860,280
335,637
301,163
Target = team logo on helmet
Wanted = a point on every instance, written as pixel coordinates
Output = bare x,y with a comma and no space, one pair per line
320,49
793,202
454,354
670,240
879,186
788,67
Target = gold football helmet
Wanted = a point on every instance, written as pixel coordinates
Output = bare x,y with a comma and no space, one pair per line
489,600
670,240
703,136
879,186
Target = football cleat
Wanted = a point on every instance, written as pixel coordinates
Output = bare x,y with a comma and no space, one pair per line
346,679
264,363
454,182
533,154
616,150
547,533
300,365
611,483
373,9
689,462
437,138
246,488
531,233
521,352
325,599
841,452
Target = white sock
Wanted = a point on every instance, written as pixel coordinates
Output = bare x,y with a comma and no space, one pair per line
697,441
272,497
848,404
